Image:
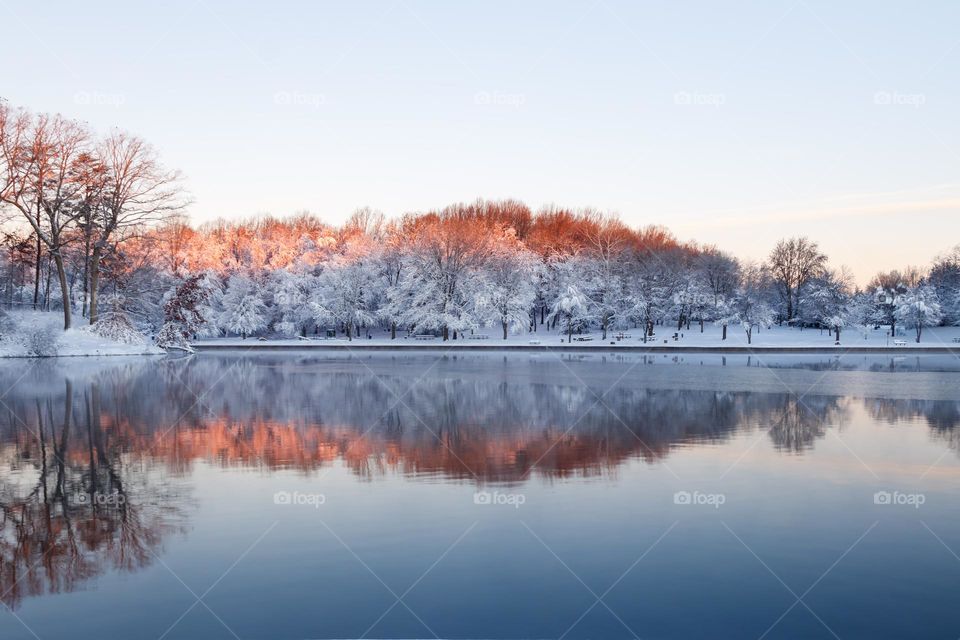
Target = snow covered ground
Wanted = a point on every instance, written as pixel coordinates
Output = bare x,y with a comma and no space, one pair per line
776,337
31,333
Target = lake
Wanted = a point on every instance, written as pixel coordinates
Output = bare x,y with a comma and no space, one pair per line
393,495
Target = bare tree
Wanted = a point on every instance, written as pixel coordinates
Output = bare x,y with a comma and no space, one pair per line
41,160
793,263
139,192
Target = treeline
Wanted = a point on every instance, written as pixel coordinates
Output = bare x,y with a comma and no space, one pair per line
88,215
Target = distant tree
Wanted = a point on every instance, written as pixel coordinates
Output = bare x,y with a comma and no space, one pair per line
720,271
944,277
748,306
919,307
345,290
572,306
183,313
243,311
506,286
827,302
443,249
291,292
793,263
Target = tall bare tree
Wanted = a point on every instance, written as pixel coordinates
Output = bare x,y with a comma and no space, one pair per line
139,192
793,263
42,157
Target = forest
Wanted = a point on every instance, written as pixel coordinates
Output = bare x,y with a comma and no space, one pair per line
96,228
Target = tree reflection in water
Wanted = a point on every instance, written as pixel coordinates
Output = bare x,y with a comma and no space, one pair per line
96,463
75,499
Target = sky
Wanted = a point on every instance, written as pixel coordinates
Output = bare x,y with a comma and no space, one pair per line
731,123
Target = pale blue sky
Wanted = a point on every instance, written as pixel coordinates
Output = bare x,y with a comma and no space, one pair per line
733,123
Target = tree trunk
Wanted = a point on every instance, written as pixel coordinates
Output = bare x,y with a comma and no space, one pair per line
86,272
64,289
393,330
504,330
724,332
749,336
838,334
94,284
919,330
36,274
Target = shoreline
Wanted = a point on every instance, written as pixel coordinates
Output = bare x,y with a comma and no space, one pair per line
651,349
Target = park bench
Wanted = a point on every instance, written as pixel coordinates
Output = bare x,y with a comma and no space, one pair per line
583,338
899,343
424,336
479,336
956,340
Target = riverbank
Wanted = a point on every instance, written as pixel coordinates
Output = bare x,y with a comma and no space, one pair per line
627,348
940,340
39,334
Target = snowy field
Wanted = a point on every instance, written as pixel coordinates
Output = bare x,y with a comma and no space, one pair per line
30,334
776,337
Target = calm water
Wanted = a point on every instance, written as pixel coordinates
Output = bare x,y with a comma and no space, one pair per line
480,496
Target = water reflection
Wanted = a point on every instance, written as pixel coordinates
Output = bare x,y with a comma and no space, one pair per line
96,457
75,499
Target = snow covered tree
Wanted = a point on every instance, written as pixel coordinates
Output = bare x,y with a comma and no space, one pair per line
242,309
692,300
183,313
793,263
506,286
115,324
572,306
748,307
606,242
827,302
919,307
861,313
944,277
345,291
443,250
291,291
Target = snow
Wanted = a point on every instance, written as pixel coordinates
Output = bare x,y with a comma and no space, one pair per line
764,338
78,341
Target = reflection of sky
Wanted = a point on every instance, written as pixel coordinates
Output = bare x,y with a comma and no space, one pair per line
735,127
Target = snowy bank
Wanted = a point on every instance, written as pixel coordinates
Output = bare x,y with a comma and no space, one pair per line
31,334
787,339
